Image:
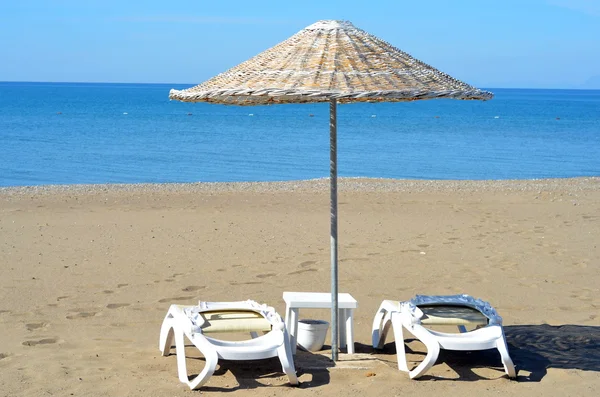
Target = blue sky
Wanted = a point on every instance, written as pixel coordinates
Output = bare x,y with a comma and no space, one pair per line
487,43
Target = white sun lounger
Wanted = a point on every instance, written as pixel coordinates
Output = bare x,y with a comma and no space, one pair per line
458,310
195,322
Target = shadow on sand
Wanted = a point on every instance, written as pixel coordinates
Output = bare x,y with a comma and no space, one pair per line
259,373
533,348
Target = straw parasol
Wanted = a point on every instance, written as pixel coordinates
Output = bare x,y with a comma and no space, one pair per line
335,62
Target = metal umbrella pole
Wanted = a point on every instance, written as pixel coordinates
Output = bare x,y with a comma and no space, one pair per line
334,226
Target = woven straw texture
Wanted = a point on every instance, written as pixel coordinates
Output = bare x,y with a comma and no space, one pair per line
326,60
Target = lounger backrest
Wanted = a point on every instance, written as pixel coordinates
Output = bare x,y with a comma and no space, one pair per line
234,321
451,315
451,310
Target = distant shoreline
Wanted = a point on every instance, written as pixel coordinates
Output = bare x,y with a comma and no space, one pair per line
318,185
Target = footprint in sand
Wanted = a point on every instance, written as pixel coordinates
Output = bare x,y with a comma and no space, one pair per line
354,259
107,291
302,271
266,275
3,355
248,283
116,305
179,298
47,341
62,297
81,315
122,285
307,263
4,311
32,326
193,288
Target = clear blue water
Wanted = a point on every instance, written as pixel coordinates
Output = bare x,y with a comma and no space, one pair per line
66,133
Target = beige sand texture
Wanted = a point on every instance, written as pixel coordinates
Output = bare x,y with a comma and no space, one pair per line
88,272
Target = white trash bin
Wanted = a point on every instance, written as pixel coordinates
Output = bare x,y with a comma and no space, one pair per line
311,334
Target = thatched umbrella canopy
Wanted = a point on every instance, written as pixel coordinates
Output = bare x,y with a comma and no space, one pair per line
330,61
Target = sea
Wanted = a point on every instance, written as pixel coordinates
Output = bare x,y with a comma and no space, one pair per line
84,133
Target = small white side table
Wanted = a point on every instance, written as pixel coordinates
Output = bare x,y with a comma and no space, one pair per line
295,301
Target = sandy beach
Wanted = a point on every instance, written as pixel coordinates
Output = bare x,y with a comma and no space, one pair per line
88,273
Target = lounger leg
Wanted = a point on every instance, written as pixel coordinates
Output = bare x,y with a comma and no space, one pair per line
169,331
166,337
433,351
509,367
399,337
284,352
381,326
210,356
180,350
211,359
376,329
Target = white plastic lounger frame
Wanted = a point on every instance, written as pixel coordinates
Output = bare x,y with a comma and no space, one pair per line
441,310
196,321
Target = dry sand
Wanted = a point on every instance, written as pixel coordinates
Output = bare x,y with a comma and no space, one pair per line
88,272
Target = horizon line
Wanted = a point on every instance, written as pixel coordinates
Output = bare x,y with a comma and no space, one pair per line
195,84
